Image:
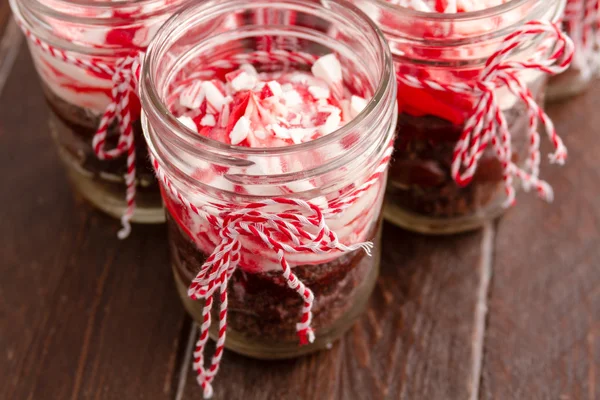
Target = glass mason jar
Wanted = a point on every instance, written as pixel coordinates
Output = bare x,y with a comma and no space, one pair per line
580,21
452,49
93,32
217,178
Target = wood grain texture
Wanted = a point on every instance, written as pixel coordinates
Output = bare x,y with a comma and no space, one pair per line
82,314
544,313
415,341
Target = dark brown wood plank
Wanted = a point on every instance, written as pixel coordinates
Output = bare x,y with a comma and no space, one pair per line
10,39
4,14
82,314
415,341
544,313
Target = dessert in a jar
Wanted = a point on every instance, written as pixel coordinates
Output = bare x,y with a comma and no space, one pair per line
580,21
85,54
271,136
471,79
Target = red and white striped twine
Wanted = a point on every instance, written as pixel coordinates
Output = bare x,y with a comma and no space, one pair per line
125,75
582,20
257,221
487,125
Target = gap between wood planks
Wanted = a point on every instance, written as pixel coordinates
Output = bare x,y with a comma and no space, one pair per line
485,272
10,43
185,364
481,308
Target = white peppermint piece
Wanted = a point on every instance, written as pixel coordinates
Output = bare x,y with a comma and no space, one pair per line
286,87
249,69
279,131
208,120
283,121
299,78
299,134
259,86
328,68
192,96
328,108
224,117
260,134
357,104
420,5
275,88
296,120
279,109
331,124
322,102
318,92
188,122
451,7
214,97
243,81
240,131
292,98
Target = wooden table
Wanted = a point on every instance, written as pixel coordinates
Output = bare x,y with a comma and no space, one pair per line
509,312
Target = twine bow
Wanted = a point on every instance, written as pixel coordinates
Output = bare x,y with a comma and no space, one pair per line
124,75
487,124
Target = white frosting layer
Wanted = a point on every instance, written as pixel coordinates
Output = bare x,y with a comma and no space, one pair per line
73,84
356,224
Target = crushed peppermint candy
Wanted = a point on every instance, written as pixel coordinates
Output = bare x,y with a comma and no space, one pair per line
269,109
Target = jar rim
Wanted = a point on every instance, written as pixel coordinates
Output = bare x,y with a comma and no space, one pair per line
455,17
535,10
38,6
149,94
35,16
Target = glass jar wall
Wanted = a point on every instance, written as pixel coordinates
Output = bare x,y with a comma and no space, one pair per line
580,21
440,59
76,48
341,173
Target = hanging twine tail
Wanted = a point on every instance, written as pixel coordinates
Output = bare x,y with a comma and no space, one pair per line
125,80
487,124
125,75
